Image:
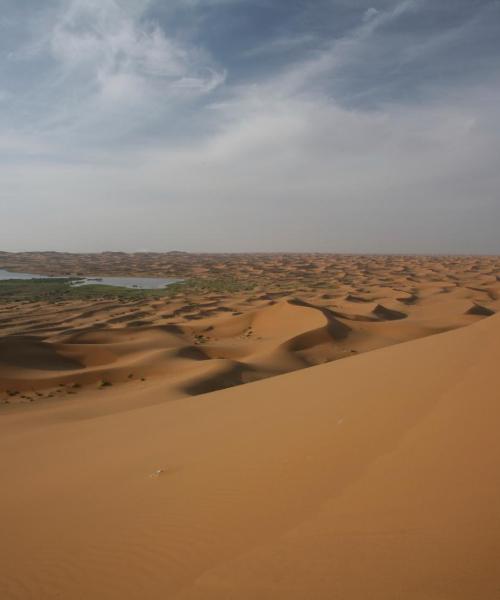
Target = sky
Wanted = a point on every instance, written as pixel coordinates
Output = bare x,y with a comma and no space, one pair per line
345,126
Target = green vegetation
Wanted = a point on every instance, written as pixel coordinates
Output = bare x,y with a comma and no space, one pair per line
201,286
33,290
59,289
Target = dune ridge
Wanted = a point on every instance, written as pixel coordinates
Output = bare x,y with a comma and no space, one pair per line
204,341
373,477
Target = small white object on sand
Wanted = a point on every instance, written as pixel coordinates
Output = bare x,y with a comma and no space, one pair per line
157,473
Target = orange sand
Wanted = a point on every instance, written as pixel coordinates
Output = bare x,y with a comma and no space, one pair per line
375,476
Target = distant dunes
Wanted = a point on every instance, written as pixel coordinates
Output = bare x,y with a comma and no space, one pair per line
196,346
372,477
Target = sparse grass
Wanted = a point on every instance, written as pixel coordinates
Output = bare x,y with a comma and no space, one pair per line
58,289
201,286
33,290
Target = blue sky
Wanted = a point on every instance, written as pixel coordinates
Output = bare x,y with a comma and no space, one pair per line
238,125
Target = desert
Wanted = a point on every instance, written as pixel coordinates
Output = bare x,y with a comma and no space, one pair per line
249,300
325,427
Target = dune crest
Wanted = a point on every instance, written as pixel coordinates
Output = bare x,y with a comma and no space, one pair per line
193,343
361,478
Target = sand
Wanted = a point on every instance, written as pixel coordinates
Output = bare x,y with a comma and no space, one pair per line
375,475
299,311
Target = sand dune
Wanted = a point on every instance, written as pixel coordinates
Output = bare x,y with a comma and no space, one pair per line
259,340
184,449
479,309
373,477
25,352
388,314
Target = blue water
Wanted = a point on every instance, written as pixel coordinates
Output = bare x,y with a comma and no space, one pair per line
8,275
141,283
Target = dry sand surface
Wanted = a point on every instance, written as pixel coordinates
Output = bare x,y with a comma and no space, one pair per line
127,471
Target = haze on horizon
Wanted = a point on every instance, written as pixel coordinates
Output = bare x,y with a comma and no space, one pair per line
236,125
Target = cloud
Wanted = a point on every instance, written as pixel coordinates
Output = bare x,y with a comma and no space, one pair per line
105,38
292,174
135,137
319,72
370,14
107,69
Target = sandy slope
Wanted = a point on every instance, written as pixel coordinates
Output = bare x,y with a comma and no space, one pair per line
210,343
376,477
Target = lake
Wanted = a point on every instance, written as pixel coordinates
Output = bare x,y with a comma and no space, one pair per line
141,283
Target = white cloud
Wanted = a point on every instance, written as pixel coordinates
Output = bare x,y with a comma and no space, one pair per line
284,167
318,72
370,13
105,37
290,175
111,71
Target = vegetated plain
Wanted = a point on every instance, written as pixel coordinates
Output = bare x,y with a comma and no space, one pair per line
58,289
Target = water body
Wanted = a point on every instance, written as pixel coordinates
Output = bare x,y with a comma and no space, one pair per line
141,283
8,275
